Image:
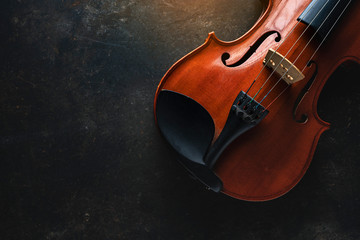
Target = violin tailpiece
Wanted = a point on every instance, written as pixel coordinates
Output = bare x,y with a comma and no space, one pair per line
245,114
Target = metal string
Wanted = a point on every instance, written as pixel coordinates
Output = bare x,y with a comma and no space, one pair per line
272,73
278,48
328,32
300,52
312,54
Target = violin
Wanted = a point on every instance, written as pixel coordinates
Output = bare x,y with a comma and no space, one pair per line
243,114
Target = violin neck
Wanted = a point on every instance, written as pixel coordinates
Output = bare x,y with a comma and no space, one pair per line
322,15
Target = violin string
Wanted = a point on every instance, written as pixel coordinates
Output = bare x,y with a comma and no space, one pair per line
327,34
323,40
307,44
274,70
264,66
267,107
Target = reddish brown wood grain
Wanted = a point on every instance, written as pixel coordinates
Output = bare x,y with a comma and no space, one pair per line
270,159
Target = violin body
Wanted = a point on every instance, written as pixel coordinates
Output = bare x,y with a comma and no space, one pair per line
267,160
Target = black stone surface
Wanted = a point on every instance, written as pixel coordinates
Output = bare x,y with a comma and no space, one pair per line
81,157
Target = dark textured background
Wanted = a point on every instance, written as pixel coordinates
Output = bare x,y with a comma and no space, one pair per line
81,157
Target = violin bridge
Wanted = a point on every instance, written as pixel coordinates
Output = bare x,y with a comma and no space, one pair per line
282,66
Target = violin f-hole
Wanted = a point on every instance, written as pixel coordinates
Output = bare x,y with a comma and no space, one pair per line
225,56
304,117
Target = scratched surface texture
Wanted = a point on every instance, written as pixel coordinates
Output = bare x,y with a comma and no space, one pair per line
81,157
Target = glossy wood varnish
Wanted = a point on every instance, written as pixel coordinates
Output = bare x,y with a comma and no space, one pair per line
267,161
